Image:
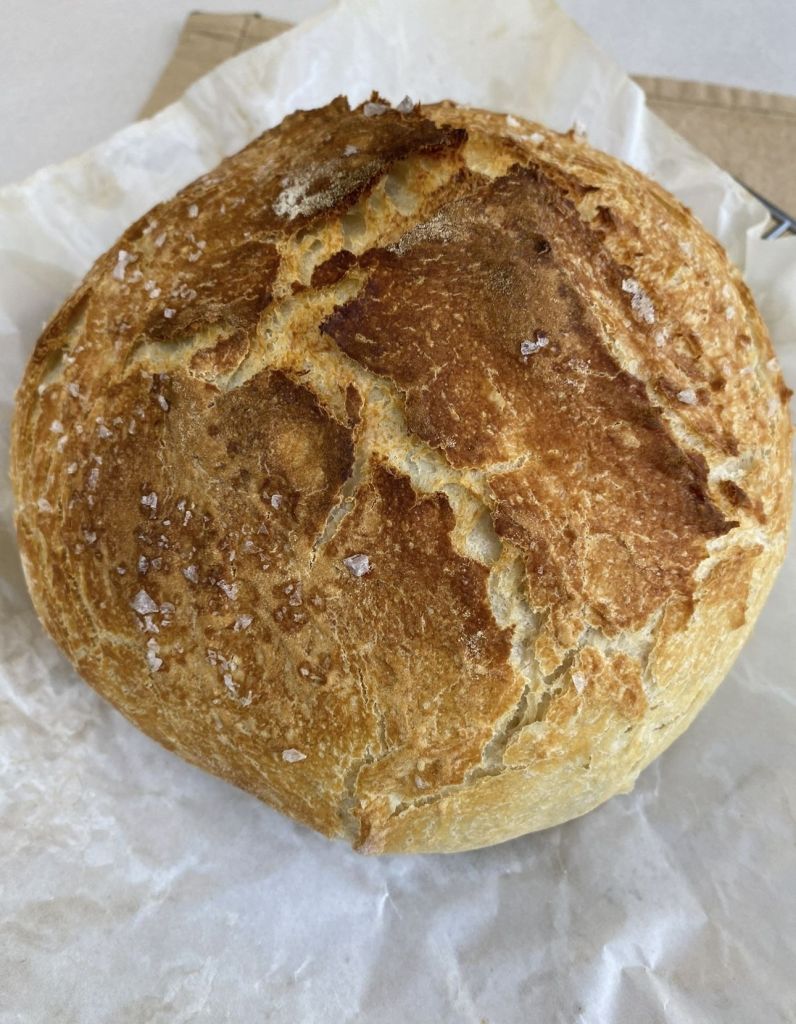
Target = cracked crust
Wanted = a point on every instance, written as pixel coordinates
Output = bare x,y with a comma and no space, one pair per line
420,473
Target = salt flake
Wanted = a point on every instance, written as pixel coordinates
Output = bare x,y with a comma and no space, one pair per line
357,565
687,396
123,258
143,603
539,341
152,659
291,755
640,302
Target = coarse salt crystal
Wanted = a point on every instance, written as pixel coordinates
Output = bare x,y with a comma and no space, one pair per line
123,258
43,505
536,138
357,565
729,313
73,388
152,659
160,240
89,536
150,500
191,573
230,589
60,444
291,755
350,150
143,565
163,403
640,302
57,427
772,365
103,431
149,625
121,570
143,603
406,106
71,469
193,211
242,622
276,501
579,681
687,396
529,346
93,478
512,121
168,312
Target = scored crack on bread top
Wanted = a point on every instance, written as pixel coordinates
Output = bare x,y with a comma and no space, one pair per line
419,470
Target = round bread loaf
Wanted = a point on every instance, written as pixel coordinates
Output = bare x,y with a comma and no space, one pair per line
419,470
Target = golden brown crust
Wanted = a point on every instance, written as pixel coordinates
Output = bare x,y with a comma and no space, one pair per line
419,471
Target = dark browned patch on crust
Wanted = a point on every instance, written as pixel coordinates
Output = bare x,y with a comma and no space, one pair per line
333,269
490,336
734,494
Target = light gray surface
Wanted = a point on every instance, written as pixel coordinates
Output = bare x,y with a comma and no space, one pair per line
73,71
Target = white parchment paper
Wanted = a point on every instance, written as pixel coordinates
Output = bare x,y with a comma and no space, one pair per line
137,889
